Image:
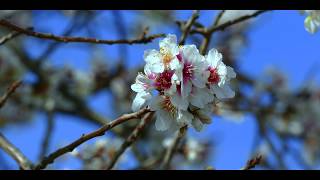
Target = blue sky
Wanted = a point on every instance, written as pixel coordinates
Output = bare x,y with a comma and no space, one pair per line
279,39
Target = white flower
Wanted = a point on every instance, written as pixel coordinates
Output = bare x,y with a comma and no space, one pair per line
166,58
192,69
168,115
180,84
220,75
312,21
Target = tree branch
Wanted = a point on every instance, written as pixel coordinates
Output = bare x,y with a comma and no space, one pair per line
66,39
186,28
15,153
252,163
8,37
172,149
131,139
100,132
9,92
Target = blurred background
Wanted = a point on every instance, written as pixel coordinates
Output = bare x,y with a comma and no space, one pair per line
73,88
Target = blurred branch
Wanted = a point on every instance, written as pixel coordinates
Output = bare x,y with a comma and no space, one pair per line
8,37
252,163
15,153
48,134
186,28
70,29
66,39
173,148
207,32
9,92
100,132
131,139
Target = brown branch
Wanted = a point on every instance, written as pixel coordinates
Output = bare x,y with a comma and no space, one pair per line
100,132
252,163
67,39
15,153
217,20
131,139
207,32
173,148
186,28
235,21
48,134
9,92
8,37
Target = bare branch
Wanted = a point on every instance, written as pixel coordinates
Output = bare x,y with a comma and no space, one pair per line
15,153
100,132
252,163
48,134
8,37
66,39
131,139
186,28
8,93
172,149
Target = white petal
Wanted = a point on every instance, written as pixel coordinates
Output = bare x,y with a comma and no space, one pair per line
214,58
163,121
223,92
137,87
201,97
179,101
186,89
230,72
184,118
140,100
199,80
174,64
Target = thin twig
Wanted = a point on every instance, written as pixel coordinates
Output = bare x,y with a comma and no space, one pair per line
172,149
131,139
67,39
9,92
15,153
100,132
48,134
219,16
207,32
186,28
8,37
252,163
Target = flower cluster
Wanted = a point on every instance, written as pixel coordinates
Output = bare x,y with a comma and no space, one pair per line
180,84
312,21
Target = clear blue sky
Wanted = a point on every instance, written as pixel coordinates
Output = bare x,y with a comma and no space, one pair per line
279,39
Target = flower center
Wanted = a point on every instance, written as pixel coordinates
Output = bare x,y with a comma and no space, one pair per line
163,81
187,71
166,57
214,76
167,106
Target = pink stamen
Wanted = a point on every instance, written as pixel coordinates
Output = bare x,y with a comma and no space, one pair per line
187,71
214,76
163,81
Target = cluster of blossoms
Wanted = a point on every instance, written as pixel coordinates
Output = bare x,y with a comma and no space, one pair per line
180,84
312,21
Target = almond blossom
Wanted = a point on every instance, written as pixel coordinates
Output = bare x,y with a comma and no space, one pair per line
180,84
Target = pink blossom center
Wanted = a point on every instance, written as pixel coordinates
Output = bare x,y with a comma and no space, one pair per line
163,81
214,76
187,71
